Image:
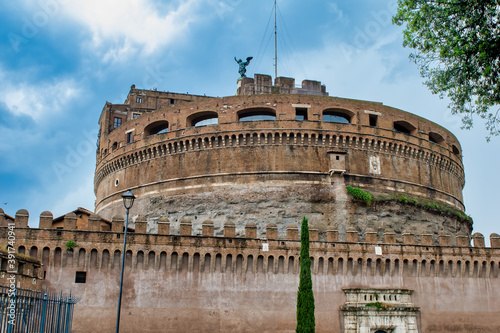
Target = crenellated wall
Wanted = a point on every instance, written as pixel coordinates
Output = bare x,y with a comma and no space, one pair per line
233,284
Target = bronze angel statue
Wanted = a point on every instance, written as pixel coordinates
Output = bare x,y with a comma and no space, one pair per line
243,66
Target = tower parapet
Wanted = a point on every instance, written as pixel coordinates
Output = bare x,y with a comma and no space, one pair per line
262,84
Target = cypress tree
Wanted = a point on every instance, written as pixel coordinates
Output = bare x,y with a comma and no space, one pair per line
305,296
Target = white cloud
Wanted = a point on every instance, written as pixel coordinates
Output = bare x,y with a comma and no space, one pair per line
132,25
334,8
36,99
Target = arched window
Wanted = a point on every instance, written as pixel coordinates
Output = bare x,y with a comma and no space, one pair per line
203,119
158,127
404,127
455,149
435,137
340,116
257,114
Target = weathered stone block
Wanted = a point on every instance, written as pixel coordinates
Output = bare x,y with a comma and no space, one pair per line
426,239
462,240
229,229
163,226
408,238
3,222
250,230
495,240
478,239
313,235
46,220
141,224
69,222
352,235
371,236
21,219
292,232
207,228
389,236
271,231
332,235
444,240
186,227
94,222
117,224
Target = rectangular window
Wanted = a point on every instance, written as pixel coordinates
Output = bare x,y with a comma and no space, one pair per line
139,100
81,277
136,115
373,120
20,268
300,114
117,123
129,137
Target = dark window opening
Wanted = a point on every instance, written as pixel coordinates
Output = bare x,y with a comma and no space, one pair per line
300,114
159,127
172,101
115,146
403,127
337,158
436,138
20,268
44,275
81,277
4,264
129,137
455,150
139,100
117,122
336,117
373,120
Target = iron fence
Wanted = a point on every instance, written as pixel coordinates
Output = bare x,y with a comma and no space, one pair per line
30,311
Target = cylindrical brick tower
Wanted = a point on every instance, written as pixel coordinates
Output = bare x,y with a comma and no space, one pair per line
275,153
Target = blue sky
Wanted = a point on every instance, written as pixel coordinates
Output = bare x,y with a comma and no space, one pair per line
61,60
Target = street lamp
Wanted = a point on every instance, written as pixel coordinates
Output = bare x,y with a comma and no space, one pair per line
128,202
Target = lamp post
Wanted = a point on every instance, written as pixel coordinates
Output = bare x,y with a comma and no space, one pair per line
128,202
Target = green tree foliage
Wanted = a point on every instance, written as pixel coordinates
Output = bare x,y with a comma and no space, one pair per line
305,296
457,49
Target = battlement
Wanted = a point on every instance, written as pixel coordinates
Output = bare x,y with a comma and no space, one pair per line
361,252
250,231
262,84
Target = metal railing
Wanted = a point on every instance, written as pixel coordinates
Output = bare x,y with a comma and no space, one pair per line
30,311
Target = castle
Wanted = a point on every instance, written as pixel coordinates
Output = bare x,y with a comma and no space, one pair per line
221,185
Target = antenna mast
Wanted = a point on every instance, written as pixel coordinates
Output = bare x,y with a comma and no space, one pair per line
275,44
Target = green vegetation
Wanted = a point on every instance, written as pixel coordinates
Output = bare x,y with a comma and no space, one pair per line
70,245
419,202
359,194
378,305
305,296
457,49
